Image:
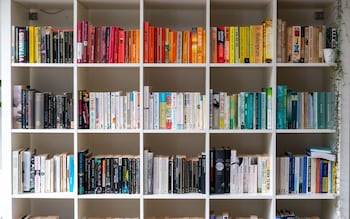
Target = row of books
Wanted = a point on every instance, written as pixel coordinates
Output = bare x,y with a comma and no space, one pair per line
226,215
42,173
118,174
245,110
33,109
242,44
231,173
174,110
304,44
35,44
107,44
109,110
173,174
304,110
163,45
288,214
305,174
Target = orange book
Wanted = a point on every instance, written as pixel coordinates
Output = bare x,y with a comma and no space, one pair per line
204,46
190,48
185,40
162,46
137,46
174,46
258,38
213,44
170,56
133,49
194,45
200,45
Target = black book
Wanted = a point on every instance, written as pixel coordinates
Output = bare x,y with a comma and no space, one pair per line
219,176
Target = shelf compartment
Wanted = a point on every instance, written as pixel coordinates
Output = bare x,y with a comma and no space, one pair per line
189,144
98,208
234,13
263,208
235,80
324,208
252,143
43,207
174,208
125,14
175,79
110,143
109,79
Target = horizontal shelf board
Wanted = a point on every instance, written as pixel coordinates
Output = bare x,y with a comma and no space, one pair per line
43,65
240,131
158,4
176,196
173,65
241,196
108,131
306,196
44,131
40,4
175,131
111,65
110,196
238,4
305,65
54,195
303,4
109,4
240,65
316,131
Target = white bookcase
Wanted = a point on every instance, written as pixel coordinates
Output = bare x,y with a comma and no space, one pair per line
232,78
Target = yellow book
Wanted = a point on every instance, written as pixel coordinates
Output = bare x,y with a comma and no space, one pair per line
31,44
199,45
37,33
232,44
258,44
267,41
251,44
241,45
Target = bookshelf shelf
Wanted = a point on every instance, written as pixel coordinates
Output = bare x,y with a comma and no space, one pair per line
203,79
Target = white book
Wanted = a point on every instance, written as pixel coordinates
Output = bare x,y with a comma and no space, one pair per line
156,187
17,171
92,108
253,174
150,113
122,113
164,175
179,47
197,102
48,171
145,175
179,111
26,157
146,107
313,175
63,158
227,112
234,172
43,172
204,112
109,121
156,110
57,173
117,110
127,118
131,99
105,109
136,109
173,110
113,110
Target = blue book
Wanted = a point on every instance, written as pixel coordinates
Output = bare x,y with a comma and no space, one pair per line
281,106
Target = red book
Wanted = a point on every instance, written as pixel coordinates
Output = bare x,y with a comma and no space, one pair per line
121,46
318,175
116,45
91,44
151,44
103,44
111,44
80,42
173,49
159,44
97,54
146,42
221,44
85,41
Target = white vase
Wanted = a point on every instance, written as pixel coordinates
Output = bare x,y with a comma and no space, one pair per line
329,55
